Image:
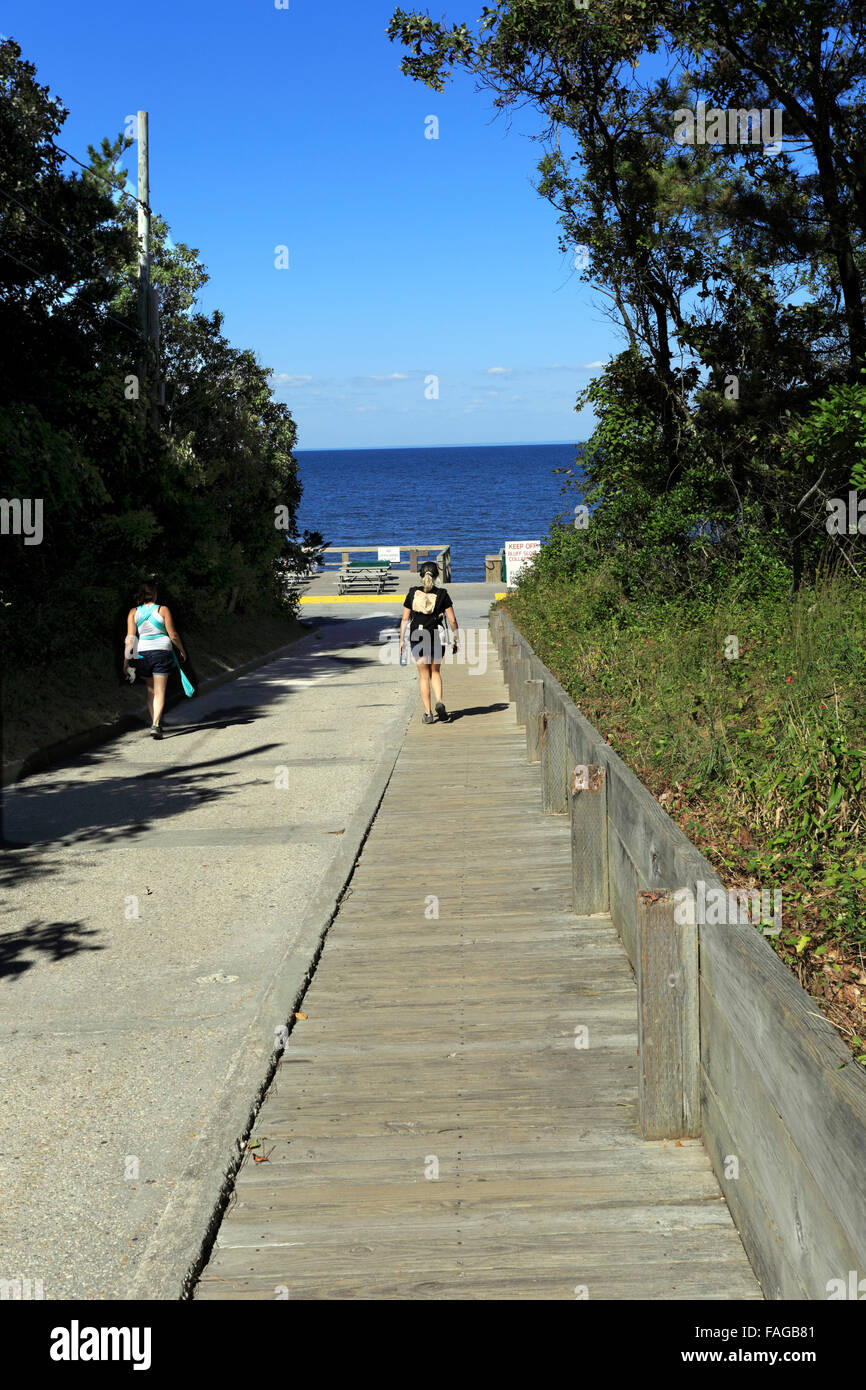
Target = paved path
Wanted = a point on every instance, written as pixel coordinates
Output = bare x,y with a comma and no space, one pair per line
433,1131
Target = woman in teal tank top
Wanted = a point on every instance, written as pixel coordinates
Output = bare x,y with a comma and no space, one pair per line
151,631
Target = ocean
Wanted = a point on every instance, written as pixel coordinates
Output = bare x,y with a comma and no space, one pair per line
473,497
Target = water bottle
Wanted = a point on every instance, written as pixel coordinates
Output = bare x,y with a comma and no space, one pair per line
130,675
404,651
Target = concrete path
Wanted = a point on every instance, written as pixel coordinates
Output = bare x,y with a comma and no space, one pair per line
441,1126
161,905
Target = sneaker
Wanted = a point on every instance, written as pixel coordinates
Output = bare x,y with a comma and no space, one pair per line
428,719
155,731
442,712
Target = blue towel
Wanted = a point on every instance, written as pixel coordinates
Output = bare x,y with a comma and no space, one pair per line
153,616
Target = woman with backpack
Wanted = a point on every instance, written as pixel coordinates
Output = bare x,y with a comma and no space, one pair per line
425,611
151,632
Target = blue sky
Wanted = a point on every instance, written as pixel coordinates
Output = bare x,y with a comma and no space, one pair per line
409,257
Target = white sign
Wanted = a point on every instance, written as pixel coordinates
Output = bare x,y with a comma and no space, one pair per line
390,552
518,554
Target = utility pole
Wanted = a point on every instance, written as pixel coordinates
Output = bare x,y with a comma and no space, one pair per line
148,307
143,232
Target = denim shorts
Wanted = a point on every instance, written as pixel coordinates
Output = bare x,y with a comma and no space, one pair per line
427,646
154,664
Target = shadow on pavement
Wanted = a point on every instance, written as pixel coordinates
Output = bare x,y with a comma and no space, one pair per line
213,719
80,812
55,939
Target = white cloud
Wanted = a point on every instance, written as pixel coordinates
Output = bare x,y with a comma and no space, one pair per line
392,376
498,371
286,379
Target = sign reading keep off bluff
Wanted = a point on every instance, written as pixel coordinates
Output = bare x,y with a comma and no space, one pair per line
518,555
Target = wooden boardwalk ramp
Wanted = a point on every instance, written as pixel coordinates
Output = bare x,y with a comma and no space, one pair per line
433,1131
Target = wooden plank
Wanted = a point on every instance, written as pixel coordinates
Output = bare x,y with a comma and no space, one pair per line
449,1219
310,1166
675,1249
640,1281
668,1020
768,1257
468,1197
624,884
554,764
816,1089
534,708
521,676
589,869
800,1242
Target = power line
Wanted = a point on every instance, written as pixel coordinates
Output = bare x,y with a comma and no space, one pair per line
73,241
41,273
97,174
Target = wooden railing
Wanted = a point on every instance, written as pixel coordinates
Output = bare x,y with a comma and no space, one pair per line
340,555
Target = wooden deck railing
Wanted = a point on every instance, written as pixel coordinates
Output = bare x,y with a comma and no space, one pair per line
340,555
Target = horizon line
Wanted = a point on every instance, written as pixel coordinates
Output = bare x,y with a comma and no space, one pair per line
496,444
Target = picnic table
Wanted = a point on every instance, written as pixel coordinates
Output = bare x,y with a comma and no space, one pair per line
360,573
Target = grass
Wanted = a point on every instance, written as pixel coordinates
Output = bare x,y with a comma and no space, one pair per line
745,720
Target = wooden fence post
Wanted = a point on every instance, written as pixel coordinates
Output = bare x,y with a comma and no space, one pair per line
522,668
589,874
512,652
534,711
668,1021
554,769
